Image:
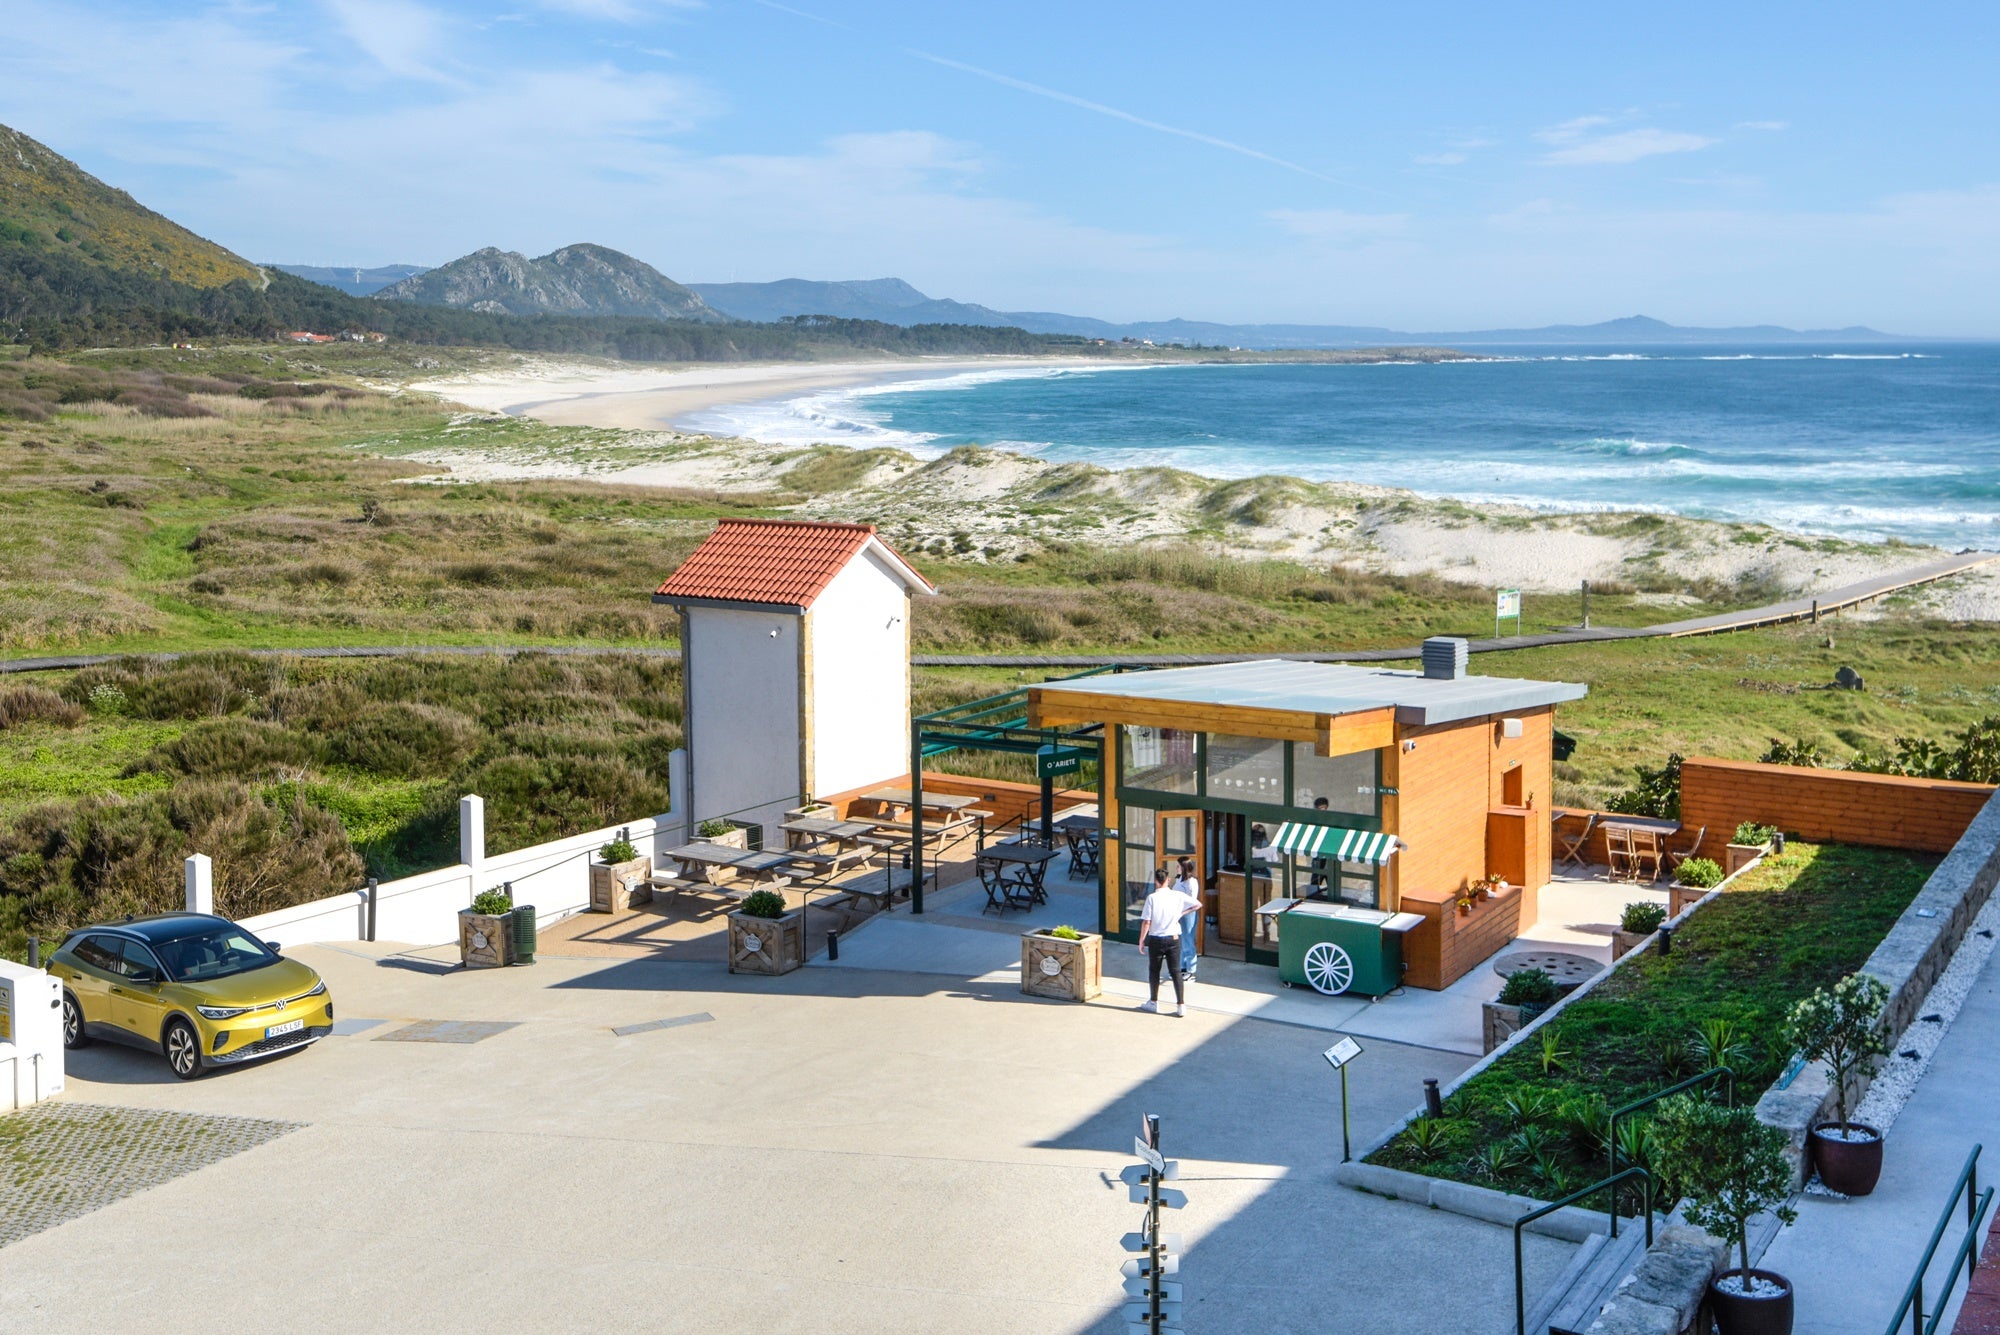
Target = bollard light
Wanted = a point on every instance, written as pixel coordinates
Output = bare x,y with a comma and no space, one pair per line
833,945
34,952
1433,1104
1666,940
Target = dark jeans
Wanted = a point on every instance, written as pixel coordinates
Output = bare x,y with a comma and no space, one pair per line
1164,950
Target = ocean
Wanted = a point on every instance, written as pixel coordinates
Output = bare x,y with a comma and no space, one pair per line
1867,443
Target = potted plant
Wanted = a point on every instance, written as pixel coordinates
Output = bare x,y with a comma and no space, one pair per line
1841,1026
728,833
486,931
1693,879
1063,963
765,936
1750,840
1526,994
1729,1167
1639,921
618,879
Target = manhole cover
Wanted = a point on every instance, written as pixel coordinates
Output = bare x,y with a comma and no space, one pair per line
447,1031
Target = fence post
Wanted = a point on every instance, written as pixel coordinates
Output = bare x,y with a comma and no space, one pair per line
374,896
472,832
200,874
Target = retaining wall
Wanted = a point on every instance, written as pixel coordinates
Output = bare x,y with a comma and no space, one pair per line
1828,806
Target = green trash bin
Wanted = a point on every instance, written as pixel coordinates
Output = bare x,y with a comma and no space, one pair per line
524,933
1336,948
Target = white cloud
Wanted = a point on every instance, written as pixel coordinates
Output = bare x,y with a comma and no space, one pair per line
1582,142
618,11
1339,224
406,40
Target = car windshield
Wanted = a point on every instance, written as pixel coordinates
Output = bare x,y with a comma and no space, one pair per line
215,953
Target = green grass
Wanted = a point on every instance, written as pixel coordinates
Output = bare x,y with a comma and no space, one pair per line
1801,920
40,762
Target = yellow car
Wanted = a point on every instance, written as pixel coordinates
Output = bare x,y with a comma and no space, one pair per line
198,988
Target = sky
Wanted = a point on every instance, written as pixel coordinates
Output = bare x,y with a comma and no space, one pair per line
1435,167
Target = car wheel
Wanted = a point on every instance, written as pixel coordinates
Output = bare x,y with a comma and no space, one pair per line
72,1022
183,1049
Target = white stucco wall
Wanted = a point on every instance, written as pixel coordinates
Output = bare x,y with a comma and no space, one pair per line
743,713
861,679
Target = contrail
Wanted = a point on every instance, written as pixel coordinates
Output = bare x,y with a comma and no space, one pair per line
1071,99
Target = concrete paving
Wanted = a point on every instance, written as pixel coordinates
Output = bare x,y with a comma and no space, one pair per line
1850,1260
835,1150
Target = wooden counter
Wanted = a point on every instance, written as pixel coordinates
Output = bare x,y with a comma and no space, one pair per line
1448,945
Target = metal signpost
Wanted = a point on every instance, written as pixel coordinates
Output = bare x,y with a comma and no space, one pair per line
1507,604
1158,1309
1337,1056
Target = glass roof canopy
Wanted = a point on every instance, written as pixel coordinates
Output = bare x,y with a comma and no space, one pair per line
1000,723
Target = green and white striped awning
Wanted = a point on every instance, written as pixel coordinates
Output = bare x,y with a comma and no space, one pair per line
1334,843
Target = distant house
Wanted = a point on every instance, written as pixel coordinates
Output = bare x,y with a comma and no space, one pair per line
795,652
306,336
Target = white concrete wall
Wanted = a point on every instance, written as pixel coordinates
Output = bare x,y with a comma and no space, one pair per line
423,909
743,714
860,679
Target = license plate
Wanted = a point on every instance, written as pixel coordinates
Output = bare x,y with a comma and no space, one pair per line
289,1027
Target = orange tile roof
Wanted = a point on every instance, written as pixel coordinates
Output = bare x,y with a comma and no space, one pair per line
779,562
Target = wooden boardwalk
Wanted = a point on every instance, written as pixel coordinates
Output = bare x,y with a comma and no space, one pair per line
1773,614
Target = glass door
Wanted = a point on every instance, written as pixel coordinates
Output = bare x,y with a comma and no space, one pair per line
1179,834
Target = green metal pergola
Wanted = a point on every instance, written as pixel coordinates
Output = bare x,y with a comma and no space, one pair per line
1000,723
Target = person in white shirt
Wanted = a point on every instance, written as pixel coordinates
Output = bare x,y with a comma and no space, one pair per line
1160,938
1189,886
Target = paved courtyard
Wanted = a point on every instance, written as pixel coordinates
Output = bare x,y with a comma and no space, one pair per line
838,1150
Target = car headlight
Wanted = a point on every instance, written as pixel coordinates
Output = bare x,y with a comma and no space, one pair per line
319,991
222,1012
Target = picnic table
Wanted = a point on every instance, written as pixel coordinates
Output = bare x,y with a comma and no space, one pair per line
902,799
701,860
812,831
1012,874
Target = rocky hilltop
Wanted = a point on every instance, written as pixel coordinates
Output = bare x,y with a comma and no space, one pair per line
576,280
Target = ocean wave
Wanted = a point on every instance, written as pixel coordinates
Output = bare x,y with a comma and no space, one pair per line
1628,447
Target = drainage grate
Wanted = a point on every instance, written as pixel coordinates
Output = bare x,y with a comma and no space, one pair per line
60,1161
447,1031
673,1022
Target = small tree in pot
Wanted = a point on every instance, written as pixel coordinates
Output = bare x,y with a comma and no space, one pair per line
1729,1167
1841,1026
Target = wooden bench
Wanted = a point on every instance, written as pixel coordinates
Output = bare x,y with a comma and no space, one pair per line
671,887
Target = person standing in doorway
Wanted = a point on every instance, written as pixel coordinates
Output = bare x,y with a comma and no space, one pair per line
1160,938
1190,952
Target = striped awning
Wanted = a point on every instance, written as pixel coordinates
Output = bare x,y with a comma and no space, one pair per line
1334,843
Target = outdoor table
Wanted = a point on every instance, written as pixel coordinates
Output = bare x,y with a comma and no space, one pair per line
704,857
903,799
1637,839
1568,971
1336,948
817,830
1085,837
1031,858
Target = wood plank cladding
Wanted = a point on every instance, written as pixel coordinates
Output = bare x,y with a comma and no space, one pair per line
1057,708
1836,806
1447,945
1345,734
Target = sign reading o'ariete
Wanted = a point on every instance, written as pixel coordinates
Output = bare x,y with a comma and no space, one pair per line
1051,761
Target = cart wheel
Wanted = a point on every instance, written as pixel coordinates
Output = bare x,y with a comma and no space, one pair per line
1328,968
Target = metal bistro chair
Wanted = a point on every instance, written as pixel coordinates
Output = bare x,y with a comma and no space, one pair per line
1002,889
1573,845
1083,850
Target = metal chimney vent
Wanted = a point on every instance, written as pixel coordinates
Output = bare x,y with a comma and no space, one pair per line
1444,658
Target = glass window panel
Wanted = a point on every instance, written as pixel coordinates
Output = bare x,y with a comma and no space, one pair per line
1161,759
1358,885
1136,824
1344,783
1138,882
1246,769
1179,835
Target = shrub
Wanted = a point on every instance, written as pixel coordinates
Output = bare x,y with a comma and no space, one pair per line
1729,1166
533,799
1701,873
492,902
1801,753
405,740
618,850
25,703
233,747
1528,987
1657,792
1751,833
713,827
1643,917
1839,1025
764,904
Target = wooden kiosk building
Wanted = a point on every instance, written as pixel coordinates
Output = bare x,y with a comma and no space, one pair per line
1387,790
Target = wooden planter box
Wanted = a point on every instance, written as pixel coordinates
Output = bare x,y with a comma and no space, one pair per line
767,945
1624,943
1497,1022
485,940
736,836
1680,896
1054,966
617,886
1736,857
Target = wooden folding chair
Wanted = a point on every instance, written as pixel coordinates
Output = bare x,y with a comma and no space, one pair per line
1572,845
1648,854
1618,851
1676,856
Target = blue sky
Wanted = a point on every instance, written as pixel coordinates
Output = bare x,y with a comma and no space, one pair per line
1424,167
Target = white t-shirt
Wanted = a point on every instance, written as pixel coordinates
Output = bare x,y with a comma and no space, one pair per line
1164,909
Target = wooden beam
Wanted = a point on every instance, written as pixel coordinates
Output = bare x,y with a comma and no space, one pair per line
1057,708
1344,734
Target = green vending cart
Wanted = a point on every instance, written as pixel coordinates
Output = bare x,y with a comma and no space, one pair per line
1336,948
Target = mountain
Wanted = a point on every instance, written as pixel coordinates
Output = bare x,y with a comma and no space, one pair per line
576,280
51,205
894,301
354,282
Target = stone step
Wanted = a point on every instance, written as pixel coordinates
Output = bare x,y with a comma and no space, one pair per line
1544,1307
1575,1310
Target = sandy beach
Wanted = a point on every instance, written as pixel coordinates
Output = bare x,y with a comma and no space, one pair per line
652,398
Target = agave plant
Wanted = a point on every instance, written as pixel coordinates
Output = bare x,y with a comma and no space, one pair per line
1462,1103
1429,1136
1553,1175
1718,1042
1496,1159
1532,1142
1635,1143
1554,1055
1525,1106
1587,1119
1670,1051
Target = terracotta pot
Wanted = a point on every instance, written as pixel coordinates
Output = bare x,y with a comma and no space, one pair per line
1850,1167
1740,1314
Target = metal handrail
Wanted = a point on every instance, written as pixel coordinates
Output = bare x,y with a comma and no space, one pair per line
1968,1251
1611,1128
1520,1281
1913,1295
